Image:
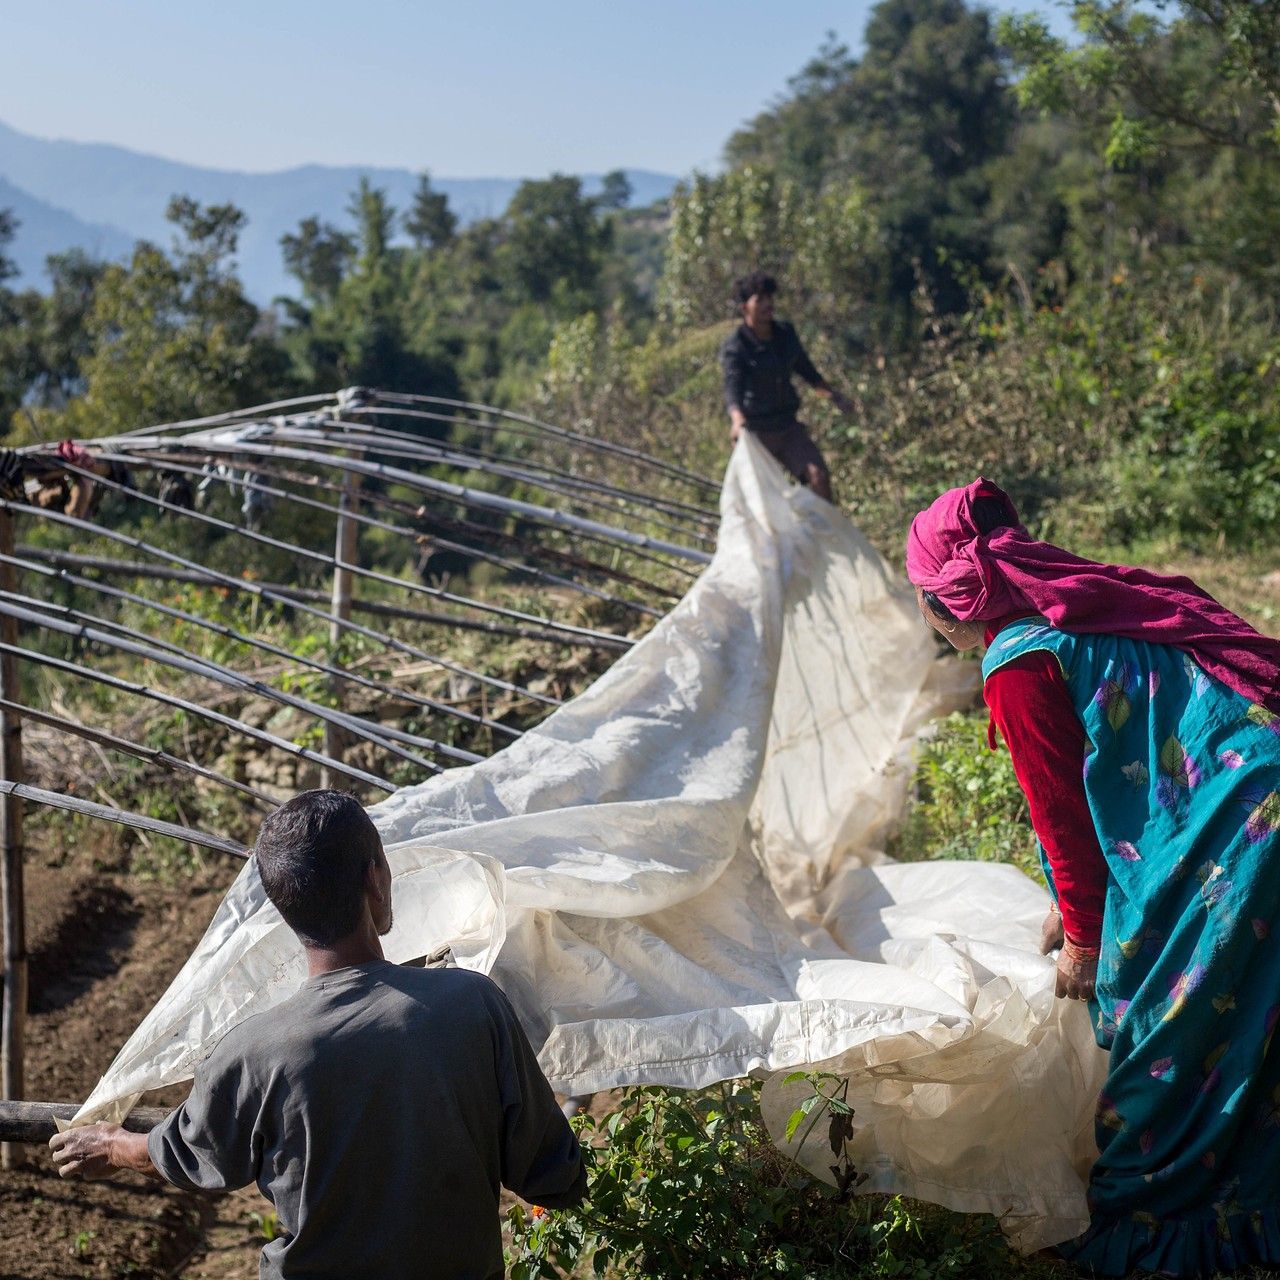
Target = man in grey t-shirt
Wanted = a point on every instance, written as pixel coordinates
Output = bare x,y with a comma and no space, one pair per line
380,1109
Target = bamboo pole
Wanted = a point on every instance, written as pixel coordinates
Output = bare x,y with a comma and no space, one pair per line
574,437
193,708
281,593
256,589
705,515
250,642
169,655
329,405
137,452
557,482
515,424
151,755
13,1006
320,557
35,1122
124,818
239,446
314,482
569,489
319,400
165,457
346,543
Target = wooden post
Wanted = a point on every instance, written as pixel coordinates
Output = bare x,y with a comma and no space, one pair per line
345,550
13,1007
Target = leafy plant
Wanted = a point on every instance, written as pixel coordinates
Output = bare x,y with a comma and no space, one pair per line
966,801
688,1184
685,1184
266,1222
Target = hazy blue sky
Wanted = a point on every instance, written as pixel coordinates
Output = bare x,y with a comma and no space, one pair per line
486,87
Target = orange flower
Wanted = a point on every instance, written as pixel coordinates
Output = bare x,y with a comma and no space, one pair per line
538,1211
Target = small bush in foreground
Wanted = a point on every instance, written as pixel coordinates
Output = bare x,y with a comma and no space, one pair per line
689,1185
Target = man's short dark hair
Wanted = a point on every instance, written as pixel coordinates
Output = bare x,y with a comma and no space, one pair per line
748,286
312,855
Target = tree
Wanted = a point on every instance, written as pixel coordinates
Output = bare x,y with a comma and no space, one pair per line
44,338
173,336
615,190
14,339
824,246
797,137
1210,75
317,255
1180,107
356,330
430,222
554,242
375,219
60,327
208,235
367,306
9,225
915,122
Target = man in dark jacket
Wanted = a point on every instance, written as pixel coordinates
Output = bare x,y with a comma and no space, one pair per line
380,1108
759,359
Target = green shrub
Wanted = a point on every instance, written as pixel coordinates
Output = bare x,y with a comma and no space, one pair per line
966,801
689,1185
1148,411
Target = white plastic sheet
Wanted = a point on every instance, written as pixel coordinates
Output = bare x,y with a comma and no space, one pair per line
677,880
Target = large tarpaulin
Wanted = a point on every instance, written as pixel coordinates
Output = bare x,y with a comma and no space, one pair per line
678,879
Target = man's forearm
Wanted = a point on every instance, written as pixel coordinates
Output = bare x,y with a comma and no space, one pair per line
735,380
828,392
129,1151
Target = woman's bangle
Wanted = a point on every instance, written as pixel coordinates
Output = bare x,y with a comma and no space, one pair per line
1076,951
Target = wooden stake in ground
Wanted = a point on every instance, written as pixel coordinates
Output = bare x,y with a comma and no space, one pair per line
13,1007
345,550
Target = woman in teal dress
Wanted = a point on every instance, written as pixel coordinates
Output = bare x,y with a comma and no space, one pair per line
1142,721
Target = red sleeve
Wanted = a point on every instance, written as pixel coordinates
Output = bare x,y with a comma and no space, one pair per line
1032,708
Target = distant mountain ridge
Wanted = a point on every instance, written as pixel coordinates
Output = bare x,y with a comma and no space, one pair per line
43,229
104,197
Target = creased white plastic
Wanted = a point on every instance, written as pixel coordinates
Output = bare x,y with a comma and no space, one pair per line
678,878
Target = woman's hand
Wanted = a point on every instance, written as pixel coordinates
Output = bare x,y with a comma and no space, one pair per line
1077,966
1077,972
1051,932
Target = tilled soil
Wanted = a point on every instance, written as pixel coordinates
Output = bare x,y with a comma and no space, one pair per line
103,948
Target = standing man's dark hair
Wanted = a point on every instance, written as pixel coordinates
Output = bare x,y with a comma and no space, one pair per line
749,286
379,1108
758,360
313,855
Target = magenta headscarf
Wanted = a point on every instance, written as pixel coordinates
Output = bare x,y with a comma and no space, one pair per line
984,577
